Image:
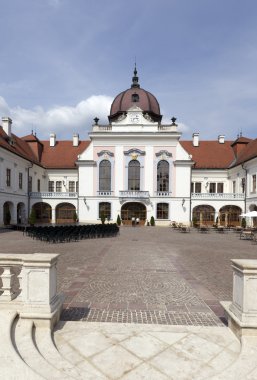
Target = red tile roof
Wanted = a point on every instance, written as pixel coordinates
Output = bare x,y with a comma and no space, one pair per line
63,155
17,146
248,153
210,154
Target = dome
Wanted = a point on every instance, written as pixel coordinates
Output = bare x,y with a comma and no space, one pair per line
135,96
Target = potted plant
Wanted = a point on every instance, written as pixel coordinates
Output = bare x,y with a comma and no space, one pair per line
243,223
75,216
102,218
152,221
118,220
8,217
32,217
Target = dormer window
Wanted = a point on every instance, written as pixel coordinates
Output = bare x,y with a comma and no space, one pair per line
135,98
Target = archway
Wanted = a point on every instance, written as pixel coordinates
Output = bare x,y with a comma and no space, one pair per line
133,210
65,213
203,214
230,216
8,206
43,212
21,213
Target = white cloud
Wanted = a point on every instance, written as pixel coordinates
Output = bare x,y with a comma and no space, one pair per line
62,120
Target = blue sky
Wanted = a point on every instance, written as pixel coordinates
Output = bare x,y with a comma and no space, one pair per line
63,61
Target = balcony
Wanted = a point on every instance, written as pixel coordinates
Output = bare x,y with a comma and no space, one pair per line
218,196
134,195
102,128
50,194
105,193
162,193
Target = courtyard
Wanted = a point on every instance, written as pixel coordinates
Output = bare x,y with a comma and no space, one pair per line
151,275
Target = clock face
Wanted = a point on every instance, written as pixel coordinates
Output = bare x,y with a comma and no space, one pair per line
135,118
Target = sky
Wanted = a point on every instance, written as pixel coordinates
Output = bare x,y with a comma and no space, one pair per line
62,62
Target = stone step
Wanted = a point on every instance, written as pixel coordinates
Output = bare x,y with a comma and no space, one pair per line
47,348
26,346
12,366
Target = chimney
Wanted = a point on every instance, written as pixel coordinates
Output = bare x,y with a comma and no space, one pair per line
75,139
221,139
7,125
52,139
195,139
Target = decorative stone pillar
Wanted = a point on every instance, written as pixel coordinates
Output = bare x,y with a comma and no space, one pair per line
242,311
53,215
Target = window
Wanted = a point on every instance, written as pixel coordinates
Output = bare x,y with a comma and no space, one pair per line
212,188
220,187
77,186
105,175
71,186
105,210
243,185
51,186
163,176
134,175
38,185
30,184
254,183
20,181
198,187
234,187
58,186
135,98
8,177
162,211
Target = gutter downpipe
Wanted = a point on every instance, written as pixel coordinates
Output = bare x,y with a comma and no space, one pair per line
29,167
190,199
245,185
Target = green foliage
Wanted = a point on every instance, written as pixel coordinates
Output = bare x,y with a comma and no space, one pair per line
243,223
75,216
118,220
8,216
152,221
32,217
102,218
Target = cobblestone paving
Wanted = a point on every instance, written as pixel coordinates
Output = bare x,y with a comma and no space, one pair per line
145,275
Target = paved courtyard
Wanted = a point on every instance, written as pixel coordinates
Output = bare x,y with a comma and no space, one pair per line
144,275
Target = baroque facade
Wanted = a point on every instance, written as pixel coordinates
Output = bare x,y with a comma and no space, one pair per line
135,167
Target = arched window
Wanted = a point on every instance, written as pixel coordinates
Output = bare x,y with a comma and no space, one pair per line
135,98
163,176
162,211
105,176
105,210
134,175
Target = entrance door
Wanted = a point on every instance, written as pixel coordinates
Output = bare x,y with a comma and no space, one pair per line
133,209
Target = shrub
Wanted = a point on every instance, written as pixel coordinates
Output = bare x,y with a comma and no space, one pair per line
243,223
118,220
152,221
102,218
32,217
75,216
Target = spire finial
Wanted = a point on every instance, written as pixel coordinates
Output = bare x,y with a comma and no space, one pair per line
135,77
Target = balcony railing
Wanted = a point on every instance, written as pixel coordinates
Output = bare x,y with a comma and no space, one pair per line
105,193
237,196
102,128
162,193
50,194
134,194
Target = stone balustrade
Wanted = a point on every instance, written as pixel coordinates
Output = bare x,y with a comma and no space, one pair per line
50,194
242,311
29,285
231,196
134,194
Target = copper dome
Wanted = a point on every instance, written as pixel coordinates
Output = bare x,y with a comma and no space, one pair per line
135,96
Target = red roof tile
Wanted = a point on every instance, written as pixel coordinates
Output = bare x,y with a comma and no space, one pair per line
63,155
248,153
210,154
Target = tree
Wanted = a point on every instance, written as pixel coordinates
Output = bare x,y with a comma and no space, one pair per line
32,217
152,221
102,218
118,220
243,223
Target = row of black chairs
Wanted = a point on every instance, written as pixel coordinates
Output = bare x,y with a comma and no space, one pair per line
68,233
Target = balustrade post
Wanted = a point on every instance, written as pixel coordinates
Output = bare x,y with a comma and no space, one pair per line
242,311
7,277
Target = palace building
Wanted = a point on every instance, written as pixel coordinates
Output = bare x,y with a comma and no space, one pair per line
135,166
